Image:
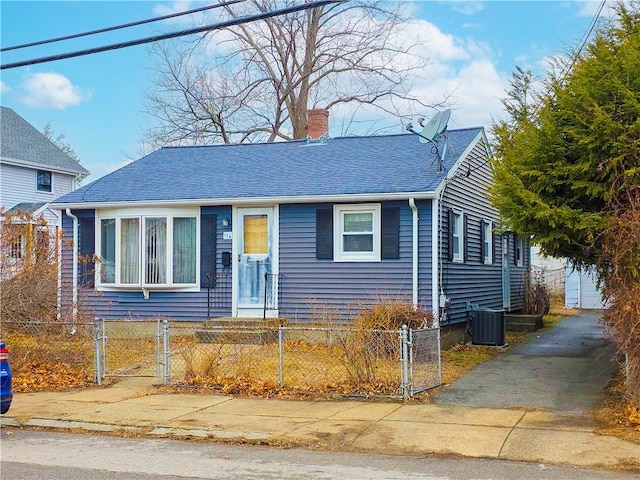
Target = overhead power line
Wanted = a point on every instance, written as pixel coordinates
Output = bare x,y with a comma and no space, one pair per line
217,26
118,27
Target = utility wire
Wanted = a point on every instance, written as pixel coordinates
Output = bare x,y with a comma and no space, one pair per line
118,27
216,26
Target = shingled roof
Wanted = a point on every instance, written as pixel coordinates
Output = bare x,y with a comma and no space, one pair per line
21,142
345,166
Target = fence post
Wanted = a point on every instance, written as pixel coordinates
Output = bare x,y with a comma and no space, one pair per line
404,360
96,344
281,355
165,339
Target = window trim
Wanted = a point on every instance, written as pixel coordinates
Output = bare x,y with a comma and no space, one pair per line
487,239
520,246
459,214
43,190
339,255
169,214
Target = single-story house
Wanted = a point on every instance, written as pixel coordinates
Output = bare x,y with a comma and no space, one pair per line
289,229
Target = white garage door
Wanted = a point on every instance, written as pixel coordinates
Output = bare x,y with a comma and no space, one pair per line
590,297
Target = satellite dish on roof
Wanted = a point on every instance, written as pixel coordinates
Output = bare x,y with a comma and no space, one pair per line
435,127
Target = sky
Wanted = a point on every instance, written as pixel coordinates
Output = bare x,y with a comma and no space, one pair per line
97,101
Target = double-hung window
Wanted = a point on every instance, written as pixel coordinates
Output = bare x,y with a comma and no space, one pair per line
43,180
357,233
148,249
487,241
520,245
457,236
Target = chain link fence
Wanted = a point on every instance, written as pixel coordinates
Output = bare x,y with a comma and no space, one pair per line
50,355
277,360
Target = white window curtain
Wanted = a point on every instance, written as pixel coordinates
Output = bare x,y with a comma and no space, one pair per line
130,251
108,251
184,250
156,250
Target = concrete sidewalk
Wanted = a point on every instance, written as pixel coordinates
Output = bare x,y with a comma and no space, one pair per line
514,434
519,433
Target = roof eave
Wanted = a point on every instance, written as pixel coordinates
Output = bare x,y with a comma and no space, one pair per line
79,173
206,202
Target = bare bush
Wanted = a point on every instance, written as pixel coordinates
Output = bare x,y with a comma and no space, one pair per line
621,286
28,269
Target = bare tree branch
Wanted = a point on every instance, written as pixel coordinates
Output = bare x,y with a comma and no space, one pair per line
255,81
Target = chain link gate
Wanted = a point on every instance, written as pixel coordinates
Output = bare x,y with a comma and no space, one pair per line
420,359
131,348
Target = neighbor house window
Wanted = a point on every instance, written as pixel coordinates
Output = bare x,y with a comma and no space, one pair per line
16,250
357,233
148,250
457,236
43,180
487,242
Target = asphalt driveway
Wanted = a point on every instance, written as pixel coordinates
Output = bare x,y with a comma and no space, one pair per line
564,367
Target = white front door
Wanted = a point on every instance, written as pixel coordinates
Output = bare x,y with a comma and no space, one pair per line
506,274
255,257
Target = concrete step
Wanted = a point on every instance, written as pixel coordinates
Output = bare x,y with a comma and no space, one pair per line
523,323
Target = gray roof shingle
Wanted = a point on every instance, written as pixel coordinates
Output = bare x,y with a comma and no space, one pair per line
342,166
19,140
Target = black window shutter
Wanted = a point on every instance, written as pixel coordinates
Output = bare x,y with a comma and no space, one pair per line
207,250
86,249
450,234
483,248
324,234
515,249
391,233
465,239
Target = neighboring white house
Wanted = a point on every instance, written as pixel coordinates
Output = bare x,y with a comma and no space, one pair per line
580,288
33,173
549,270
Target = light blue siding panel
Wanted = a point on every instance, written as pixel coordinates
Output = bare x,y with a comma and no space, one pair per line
471,280
310,286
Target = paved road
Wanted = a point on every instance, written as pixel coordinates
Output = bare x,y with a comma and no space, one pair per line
563,368
52,456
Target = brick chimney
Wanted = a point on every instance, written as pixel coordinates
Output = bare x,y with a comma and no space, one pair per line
317,122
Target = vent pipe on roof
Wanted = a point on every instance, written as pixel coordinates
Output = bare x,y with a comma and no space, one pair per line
317,123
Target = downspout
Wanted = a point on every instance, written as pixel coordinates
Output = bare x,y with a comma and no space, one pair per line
435,261
437,294
414,209
74,297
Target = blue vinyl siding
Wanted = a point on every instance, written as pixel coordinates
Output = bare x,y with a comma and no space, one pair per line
471,280
169,304
310,286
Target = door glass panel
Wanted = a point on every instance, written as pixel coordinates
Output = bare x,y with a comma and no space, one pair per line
255,259
255,235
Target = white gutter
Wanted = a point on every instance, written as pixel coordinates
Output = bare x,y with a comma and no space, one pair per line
414,209
75,263
248,201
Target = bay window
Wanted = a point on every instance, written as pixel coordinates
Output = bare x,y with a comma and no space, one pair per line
155,248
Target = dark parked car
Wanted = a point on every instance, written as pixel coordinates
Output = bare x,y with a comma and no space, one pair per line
6,394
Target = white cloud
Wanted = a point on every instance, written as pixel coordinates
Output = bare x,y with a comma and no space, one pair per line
467,7
51,90
4,88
